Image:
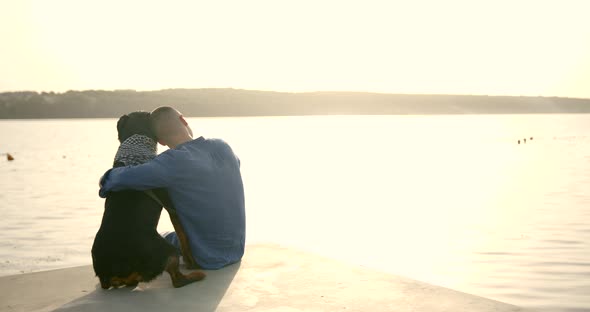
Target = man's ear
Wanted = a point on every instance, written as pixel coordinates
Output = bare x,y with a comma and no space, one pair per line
183,121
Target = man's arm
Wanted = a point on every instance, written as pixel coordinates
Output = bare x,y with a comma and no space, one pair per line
153,174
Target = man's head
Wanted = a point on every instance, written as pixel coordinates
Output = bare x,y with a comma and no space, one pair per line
170,127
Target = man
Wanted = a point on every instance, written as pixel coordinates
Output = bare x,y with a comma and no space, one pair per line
203,179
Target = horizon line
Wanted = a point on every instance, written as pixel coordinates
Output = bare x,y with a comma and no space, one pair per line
295,92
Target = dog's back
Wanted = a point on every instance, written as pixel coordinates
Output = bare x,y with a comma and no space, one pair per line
130,210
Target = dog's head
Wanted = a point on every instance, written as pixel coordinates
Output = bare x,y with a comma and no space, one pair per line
134,123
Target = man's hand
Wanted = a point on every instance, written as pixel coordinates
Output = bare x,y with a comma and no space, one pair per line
102,192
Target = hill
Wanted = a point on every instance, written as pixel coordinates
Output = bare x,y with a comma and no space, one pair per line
235,102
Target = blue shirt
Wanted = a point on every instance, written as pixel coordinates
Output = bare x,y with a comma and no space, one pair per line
203,179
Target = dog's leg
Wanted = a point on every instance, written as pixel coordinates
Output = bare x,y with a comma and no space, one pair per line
185,247
116,282
105,283
130,281
179,279
133,279
162,197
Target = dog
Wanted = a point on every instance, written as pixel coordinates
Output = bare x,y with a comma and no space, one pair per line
127,248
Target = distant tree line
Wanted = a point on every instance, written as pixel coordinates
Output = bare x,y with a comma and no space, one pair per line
235,102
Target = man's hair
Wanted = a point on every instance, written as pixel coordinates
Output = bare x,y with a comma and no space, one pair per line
161,120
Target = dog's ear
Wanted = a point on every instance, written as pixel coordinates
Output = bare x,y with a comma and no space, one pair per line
121,124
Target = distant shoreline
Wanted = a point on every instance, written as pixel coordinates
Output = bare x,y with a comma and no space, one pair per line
309,115
249,103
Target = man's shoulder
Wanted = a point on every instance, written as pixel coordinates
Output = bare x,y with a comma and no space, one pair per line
216,144
199,145
217,141
220,146
201,141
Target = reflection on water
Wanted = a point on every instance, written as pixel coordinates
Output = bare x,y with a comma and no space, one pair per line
451,200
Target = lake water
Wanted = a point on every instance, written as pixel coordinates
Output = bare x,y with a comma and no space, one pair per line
450,200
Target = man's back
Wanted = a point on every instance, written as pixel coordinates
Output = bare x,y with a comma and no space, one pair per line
208,194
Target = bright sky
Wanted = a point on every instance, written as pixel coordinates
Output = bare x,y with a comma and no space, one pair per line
511,47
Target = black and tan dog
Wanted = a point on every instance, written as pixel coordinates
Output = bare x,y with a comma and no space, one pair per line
127,248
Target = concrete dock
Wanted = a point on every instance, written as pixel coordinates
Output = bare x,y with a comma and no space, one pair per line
269,278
